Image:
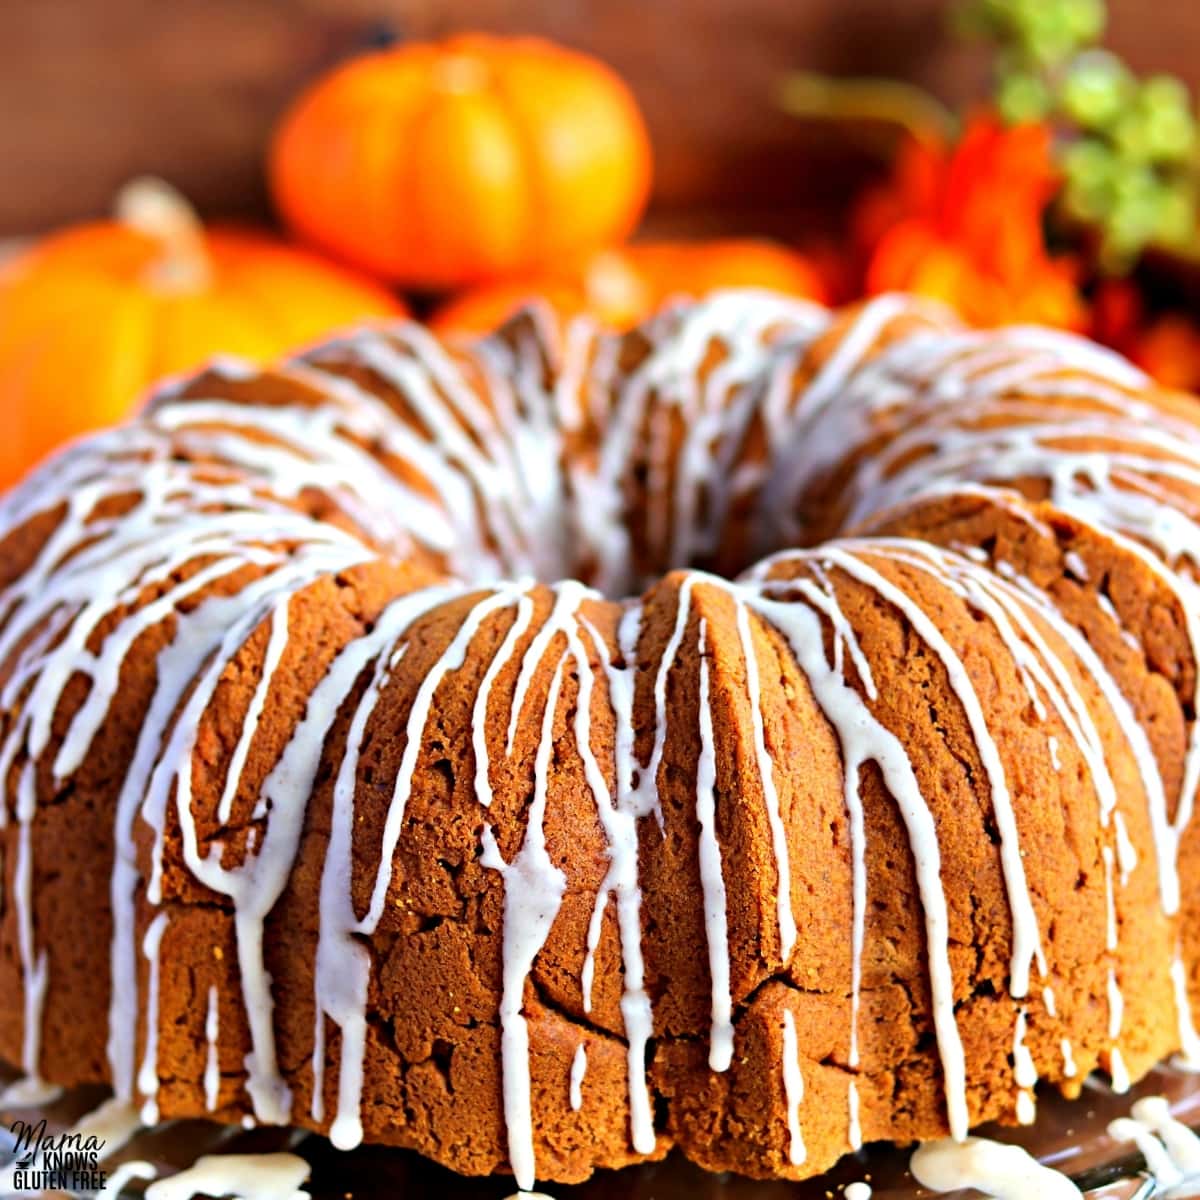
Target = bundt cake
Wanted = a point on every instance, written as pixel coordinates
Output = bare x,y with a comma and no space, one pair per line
345,786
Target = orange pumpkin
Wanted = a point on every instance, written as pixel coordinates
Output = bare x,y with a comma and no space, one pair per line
89,317
621,287
443,164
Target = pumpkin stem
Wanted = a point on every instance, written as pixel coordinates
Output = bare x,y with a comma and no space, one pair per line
153,207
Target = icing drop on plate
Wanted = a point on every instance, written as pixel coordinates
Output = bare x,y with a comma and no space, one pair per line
244,1176
29,1092
1000,1171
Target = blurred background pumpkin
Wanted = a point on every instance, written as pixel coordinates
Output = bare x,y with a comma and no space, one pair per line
438,165
90,316
621,285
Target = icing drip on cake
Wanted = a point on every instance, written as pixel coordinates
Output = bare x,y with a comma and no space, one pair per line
578,1072
720,1037
212,1063
619,820
147,1079
793,1089
533,891
1024,1073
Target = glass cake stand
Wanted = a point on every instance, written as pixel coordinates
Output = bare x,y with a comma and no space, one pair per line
1069,1136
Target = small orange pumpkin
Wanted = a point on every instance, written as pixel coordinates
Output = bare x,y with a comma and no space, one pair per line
89,317
436,165
622,286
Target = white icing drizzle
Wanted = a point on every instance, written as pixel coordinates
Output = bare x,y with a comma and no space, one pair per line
212,1063
648,778
533,891
854,1137
793,1089
1116,1001
712,882
766,774
1118,1072
1068,1057
578,1071
997,1170
148,1072
754,330
242,1176
1024,1072
461,446
1076,566
34,962
620,827
1087,739
276,646
1127,856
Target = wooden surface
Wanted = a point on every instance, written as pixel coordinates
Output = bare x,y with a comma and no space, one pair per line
92,91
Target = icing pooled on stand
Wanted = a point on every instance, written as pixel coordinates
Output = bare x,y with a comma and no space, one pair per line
1170,1148
242,1176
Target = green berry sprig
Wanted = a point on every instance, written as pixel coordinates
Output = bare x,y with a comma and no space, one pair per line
1127,144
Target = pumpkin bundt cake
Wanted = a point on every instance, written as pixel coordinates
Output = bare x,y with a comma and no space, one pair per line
346,786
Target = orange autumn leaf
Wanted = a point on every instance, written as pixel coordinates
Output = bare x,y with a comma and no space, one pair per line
965,225
1169,350
1166,345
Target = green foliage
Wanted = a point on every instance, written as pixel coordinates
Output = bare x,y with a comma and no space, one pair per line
1128,145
